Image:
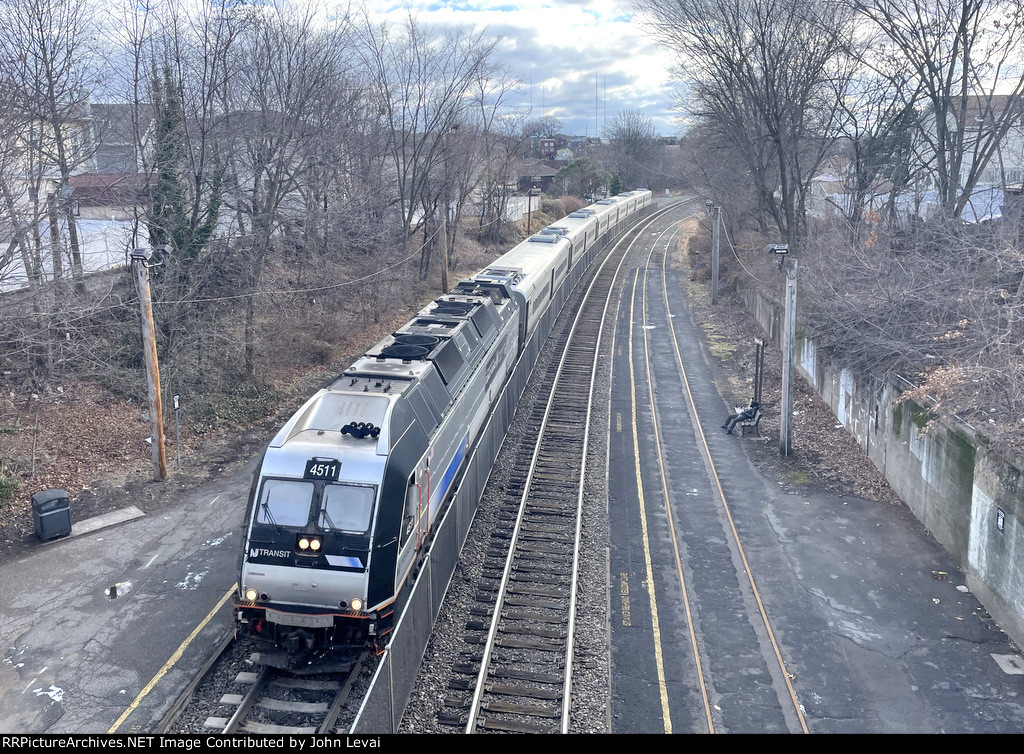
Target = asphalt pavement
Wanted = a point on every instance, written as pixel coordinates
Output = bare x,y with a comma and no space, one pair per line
871,617
103,629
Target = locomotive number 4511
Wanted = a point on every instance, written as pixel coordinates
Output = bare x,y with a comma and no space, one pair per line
326,470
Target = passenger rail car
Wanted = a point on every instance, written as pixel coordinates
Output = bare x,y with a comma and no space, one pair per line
343,503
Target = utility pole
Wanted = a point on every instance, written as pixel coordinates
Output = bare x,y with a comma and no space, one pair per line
445,202
788,341
156,417
444,245
529,198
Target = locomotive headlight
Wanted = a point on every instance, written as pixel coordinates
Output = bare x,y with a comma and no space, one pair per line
251,595
308,545
357,604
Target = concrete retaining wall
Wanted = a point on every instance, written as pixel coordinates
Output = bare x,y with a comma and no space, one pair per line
967,494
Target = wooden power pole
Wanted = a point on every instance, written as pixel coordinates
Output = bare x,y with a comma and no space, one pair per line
156,416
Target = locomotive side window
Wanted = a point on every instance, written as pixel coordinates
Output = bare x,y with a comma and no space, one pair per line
346,507
412,506
285,503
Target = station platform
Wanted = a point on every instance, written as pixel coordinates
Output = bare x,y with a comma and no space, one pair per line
103,628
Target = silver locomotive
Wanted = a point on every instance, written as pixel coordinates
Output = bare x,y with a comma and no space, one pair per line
344,502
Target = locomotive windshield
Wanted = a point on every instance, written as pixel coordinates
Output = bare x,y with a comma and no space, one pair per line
346,507
285,503
342,507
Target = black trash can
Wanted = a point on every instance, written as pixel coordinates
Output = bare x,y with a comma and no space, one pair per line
51,514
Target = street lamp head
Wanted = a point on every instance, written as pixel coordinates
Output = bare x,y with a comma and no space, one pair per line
776,248
708,203
140,255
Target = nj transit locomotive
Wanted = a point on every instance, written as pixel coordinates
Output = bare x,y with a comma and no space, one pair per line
343,503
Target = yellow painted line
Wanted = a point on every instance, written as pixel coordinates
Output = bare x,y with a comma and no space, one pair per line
668,509
725,505
655,626
171,662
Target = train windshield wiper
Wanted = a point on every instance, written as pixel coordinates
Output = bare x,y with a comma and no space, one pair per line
327,517
269,517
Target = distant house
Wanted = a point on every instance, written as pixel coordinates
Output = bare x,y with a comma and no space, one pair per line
827,195
31,170
980,116
104,189
112,186
977,120
109,196
536,174
104,155
117,136
581,144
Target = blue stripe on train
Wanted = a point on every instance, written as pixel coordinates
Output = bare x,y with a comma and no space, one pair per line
449,474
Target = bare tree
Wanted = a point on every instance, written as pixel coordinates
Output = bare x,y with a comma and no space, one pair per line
283,68
424,79
465,166
632,147
877,125
542,128
176,73
768,72
964,56
16,209
713,167
49,44
502,149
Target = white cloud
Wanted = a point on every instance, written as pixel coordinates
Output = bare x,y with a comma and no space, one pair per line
563,49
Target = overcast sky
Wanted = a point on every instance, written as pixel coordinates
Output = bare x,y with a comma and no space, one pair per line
563,47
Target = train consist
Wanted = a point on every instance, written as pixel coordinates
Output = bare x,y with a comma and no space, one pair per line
346,497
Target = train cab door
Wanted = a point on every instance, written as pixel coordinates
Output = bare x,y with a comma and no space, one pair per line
411,538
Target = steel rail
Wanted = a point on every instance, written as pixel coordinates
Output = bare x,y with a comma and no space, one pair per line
716,481
242,712
694,644
185,697
325,712
343,694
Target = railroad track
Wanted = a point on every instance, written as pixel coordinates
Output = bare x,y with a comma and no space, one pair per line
275,702
516,670
730,600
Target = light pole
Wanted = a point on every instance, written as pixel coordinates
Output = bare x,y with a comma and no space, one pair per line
716,221
781,250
